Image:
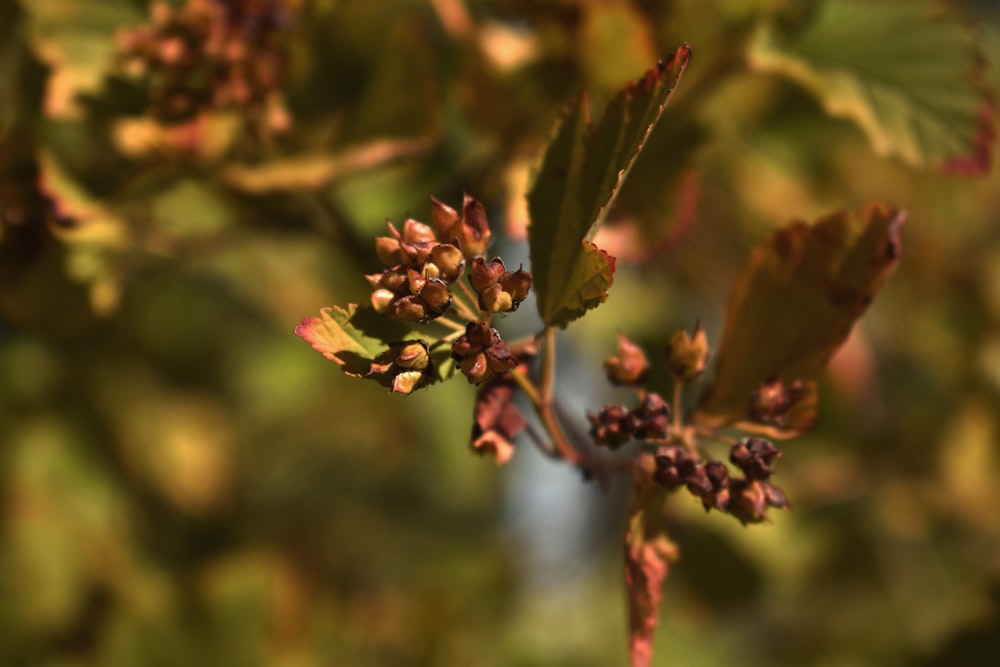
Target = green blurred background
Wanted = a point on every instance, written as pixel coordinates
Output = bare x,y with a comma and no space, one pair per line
185,482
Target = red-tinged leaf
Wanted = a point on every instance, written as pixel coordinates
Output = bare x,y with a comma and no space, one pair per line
580,177
497,420
793,306
334,336
648,553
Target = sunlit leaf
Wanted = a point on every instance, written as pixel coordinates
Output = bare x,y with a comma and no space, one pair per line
906,72
795,303
648,553
581,174
332,335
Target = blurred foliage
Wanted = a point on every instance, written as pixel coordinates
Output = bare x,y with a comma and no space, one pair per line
185,482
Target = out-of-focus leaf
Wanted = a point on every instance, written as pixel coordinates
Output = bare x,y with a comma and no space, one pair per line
207,137
906,72
581,174
316,171
77,41
96,236
648,552
497,420
795,303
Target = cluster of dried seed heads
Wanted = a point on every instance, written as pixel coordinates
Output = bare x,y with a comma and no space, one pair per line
747,497
480,353
616,425
423,265
211,54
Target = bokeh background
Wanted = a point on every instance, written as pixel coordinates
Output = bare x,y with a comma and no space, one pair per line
185,482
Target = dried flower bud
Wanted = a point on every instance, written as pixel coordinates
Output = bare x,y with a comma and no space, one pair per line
673,464
651,419
499,290
409,308
481,353
382,300
718,476
754,457
687,353
610,426
407,363
470,231
446,262
483,274
752,498
517,284
772,400
630,367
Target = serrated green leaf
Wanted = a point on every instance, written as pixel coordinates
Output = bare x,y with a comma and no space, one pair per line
357,340
332,335
906,72
794,304
581,174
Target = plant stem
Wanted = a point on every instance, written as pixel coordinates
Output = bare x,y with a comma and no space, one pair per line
678,408
467,291
525,384
451,324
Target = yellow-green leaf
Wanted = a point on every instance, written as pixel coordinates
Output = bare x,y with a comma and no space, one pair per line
906,72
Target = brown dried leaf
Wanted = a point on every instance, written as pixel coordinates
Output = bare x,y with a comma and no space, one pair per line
497,420
795,303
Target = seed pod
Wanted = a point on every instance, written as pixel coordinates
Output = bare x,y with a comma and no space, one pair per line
610,426
687,354
630,367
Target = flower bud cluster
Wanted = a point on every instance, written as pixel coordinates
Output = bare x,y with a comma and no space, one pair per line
415,286
211,55
615,424
480,353
499,290
747,497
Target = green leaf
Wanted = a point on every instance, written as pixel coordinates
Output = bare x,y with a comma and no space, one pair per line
907,73
361,343
794,305
580,177
334,336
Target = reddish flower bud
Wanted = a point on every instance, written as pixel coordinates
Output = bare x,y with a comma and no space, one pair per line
651,419
754,457
483,274
480,353
630,367
751,499
470,231
610,426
